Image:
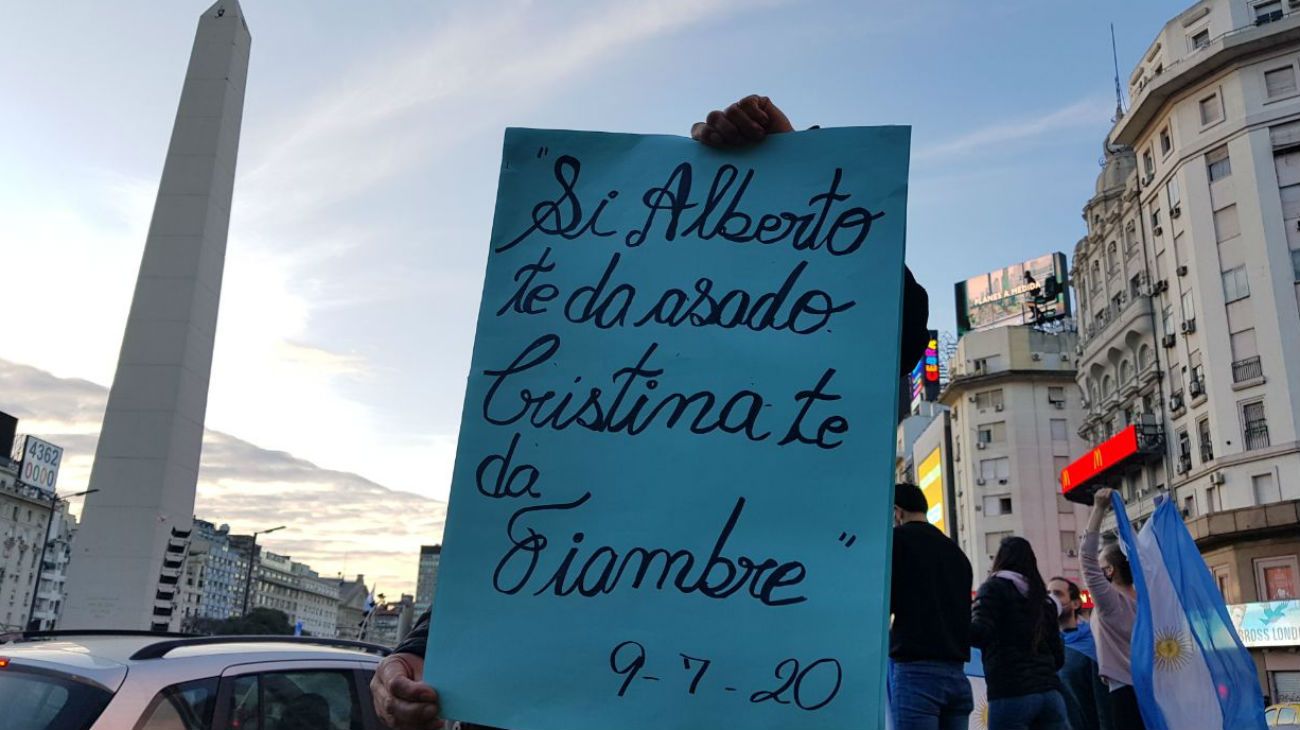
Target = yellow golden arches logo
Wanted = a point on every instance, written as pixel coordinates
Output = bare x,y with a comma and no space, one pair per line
1065,479
1096,458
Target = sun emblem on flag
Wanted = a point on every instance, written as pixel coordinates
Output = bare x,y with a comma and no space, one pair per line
982,715
1173,649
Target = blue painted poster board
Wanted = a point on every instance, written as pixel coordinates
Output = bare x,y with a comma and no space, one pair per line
671,504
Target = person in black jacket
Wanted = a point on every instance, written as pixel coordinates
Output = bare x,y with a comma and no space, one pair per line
403,701
1013,621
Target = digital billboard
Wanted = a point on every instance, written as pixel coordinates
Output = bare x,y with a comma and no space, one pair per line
924,379
929,477
1029,292
38,463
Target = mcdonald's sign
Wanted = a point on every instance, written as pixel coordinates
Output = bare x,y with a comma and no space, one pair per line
1102,458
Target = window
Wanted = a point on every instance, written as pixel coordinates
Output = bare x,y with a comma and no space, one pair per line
1267,12
1166,142
1265,488
308,699
1200,39
1275,578
1155,219
1226,224
1236,285
48,701
1175,195
998,504
186,706
1207,443
1295,263
992,470
1223,579
1189,306
1055,394
992,433
993,540
1063,505
1148,163
1219,163
1211,110
1280,82
1060,432
1112,258
1189,506
1096,275
1254,425
989,399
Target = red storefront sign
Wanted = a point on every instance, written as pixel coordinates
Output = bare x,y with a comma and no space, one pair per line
1109,453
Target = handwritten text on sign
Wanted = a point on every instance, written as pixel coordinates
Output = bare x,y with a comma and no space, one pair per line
670,507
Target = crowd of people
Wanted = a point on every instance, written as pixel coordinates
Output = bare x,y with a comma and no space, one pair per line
1045,666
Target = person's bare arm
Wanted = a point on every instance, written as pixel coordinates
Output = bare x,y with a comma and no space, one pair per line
1102,591
747,121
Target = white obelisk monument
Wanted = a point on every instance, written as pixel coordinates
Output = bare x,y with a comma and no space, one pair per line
126,558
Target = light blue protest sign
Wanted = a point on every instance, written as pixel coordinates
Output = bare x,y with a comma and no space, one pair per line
671,504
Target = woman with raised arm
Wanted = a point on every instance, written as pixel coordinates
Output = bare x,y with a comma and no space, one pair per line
1110,579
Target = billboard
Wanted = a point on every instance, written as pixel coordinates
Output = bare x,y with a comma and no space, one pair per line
924,379
1029,292
929,477
38,462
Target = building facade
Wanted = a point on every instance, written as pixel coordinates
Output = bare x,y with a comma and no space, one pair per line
1187,283
354,599
1013,415
318,602
52,587
211,582
427,580
24,517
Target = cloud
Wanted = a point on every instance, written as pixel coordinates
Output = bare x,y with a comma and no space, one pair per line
1084,113
337,522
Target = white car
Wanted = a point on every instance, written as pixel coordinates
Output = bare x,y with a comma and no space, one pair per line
118,680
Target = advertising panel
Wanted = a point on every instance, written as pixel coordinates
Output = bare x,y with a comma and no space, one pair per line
38,463
929,477
1029,292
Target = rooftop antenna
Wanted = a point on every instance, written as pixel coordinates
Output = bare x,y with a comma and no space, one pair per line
1119,96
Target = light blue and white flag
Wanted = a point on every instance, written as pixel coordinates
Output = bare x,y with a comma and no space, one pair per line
1190,669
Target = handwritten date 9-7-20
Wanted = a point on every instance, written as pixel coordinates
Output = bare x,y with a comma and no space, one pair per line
808,687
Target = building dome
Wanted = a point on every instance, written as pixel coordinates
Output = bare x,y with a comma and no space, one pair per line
1116,166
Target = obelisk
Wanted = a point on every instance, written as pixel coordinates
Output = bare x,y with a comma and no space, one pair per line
126,557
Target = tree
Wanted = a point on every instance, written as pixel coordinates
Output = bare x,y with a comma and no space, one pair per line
258,622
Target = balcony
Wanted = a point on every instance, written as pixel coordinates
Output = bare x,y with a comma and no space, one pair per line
1246,370
1134,312
1256,435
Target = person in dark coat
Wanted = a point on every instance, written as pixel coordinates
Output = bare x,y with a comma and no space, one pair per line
402,700
1087,698
1013,621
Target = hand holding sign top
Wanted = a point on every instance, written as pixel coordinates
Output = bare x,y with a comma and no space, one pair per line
747,121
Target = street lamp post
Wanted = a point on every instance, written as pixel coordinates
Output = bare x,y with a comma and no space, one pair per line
40,563
252,556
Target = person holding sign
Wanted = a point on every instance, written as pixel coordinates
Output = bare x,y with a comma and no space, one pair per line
645,383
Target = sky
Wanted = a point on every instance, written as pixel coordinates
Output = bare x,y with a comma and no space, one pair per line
366,182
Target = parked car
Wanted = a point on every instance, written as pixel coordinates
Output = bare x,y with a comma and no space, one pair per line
1285,715
146,681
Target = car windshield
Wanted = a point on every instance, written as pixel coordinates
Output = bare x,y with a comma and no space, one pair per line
37,700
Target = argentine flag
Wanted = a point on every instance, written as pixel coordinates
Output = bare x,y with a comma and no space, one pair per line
1190,669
